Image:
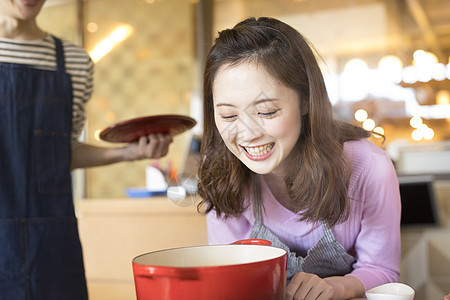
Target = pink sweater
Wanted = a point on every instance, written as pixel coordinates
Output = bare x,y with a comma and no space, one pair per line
371,234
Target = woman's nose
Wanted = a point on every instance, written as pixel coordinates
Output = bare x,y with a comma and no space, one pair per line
250,128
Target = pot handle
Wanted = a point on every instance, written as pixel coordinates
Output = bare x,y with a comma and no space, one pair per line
253,242
180,273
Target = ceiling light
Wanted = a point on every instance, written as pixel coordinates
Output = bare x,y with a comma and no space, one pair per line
107,44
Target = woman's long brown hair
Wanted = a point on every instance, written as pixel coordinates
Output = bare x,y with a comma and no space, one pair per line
318,181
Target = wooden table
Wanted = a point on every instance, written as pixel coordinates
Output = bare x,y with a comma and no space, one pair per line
114,231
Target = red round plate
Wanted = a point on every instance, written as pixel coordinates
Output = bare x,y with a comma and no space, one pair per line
131,130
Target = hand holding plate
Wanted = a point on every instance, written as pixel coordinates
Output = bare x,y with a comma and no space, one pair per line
151,146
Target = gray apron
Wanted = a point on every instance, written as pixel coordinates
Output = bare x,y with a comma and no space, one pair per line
326,258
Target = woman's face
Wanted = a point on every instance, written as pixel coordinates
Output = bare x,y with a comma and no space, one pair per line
258,118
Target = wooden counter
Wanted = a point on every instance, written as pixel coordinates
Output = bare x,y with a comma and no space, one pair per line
114,231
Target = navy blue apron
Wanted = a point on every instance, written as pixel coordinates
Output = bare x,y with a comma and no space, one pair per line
40,250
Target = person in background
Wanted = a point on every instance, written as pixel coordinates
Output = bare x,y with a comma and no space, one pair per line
446,297
44,85
276,165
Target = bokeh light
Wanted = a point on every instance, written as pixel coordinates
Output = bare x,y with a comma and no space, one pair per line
361,115
415,121
368,124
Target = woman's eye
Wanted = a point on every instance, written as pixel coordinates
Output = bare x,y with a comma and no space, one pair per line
267,114
229,117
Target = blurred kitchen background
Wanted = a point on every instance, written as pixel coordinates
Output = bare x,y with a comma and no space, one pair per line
386,64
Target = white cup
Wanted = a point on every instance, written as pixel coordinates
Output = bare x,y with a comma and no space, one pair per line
391,291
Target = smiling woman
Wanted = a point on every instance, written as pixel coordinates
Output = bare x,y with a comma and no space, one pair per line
276,165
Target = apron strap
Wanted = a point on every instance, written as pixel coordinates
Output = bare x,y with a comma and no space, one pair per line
257,202
60,61
328,235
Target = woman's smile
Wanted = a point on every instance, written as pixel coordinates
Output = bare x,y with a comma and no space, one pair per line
259,152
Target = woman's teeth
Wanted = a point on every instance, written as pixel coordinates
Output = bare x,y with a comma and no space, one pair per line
258,151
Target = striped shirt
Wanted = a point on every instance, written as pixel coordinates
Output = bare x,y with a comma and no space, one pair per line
41,54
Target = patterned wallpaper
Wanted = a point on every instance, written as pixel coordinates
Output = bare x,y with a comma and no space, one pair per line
151,72
65,16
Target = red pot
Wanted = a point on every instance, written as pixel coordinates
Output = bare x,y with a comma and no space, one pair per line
243,270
